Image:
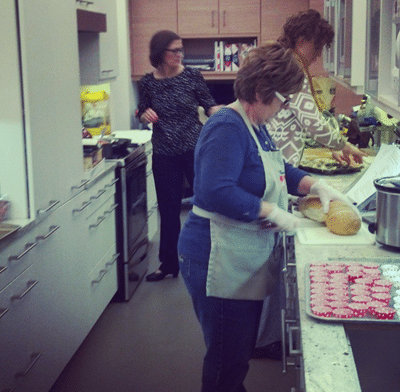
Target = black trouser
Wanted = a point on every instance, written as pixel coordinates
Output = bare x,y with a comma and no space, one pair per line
169,173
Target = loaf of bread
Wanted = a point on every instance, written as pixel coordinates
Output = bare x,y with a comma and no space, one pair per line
311,208
341,218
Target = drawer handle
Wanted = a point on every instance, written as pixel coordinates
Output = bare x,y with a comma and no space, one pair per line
84,205
28,248
113,182
283,333
292,350
52,229
3,311
102,273
31,284
53,203
113,260
112,208
99,220
80,186
138,201
34,359
2,269
99,193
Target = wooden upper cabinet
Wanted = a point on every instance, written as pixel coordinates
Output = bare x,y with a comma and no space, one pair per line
274,14
213,18
239,16
198,17
146,18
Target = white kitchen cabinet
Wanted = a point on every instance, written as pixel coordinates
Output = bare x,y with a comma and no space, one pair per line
94,213
49,297
109,42
102,284
50,82
98,52
12,151
43,324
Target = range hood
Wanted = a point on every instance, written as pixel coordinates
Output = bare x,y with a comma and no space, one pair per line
91,22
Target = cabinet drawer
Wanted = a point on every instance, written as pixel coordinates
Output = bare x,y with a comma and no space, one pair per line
102,283
97,194
100,230
19,321
17,257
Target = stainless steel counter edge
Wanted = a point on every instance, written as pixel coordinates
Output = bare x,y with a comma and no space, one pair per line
29,224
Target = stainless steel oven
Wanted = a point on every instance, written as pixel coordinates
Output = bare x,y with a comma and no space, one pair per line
131,221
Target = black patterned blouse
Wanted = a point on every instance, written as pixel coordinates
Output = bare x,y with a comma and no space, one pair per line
176,101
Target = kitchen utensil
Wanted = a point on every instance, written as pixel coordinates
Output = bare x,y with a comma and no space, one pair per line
387,226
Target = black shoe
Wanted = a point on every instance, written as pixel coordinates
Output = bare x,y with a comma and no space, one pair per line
270,351
160,275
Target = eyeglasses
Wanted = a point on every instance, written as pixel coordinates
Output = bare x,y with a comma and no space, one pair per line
285,101
175,51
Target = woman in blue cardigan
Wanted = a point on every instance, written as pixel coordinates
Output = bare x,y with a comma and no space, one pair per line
228,245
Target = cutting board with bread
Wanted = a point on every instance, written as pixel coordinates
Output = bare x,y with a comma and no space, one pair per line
340,225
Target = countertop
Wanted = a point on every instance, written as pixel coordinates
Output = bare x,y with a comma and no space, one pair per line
328,358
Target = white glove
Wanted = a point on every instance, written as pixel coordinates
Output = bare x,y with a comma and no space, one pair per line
284,220
326,193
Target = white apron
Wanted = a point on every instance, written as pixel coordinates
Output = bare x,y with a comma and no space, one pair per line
244,263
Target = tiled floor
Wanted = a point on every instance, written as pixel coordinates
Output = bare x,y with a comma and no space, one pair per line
153,343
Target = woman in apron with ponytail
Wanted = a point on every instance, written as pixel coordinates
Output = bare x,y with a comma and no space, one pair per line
228,246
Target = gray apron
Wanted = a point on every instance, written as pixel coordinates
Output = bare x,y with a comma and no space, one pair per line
244,261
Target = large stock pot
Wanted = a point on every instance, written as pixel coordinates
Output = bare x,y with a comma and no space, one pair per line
387,226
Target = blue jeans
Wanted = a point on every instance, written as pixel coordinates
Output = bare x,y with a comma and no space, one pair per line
229,328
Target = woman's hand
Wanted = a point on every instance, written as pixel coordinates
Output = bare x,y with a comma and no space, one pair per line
282,219
149,116
349,151
326,194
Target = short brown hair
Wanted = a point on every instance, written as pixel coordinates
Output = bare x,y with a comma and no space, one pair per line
267,69
158,44
311,26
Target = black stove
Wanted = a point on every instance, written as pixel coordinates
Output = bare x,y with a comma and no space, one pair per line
131,215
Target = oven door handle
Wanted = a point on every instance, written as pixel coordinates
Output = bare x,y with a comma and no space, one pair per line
138,201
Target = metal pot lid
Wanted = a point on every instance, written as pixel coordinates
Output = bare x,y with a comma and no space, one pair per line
388,184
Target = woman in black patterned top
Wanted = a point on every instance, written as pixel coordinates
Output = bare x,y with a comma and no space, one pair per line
169,98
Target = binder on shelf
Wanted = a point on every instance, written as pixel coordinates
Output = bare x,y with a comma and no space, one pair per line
227,57
221,51
217,57
235,57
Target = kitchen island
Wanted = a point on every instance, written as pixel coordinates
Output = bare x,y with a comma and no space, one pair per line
329,361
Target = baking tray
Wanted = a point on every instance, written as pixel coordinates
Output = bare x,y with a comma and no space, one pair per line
338,170
7,229
356,320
